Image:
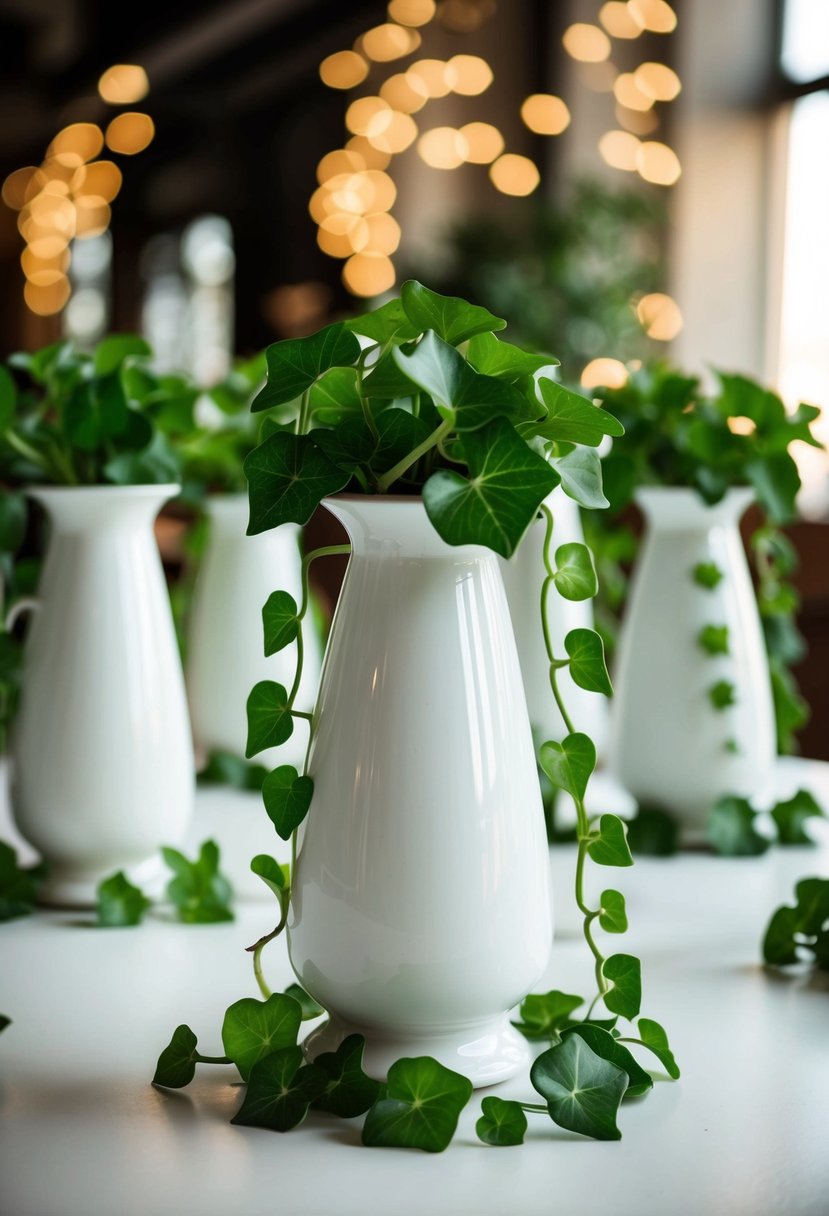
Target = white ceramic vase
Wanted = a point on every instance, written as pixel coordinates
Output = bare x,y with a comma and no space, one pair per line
225,651
668,744
101,756
523,578
421,909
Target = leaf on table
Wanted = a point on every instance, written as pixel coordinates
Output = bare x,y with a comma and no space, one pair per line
177,1063
502,1122
422,1103
543,1014
583,1092
791,816
18,884
605,1045
732,828
120,903
280,1090
779,942
653,1037
812,905
348,1091
199,892
253,1029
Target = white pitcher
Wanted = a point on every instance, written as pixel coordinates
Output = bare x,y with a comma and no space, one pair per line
102,761
226,650
668,744
421,909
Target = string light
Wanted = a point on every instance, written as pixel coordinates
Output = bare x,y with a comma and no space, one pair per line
640,122
587,43
443,148
397,135
130,133
516,175
619,149
657,81
657,163
431,76
386,42
404,92
124,84
412,12
468,75
545,114
343,70
627,93
617,19
484,142
368,274
653,15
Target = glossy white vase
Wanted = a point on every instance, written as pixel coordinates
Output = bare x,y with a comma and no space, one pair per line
668,744
102,760
421,910
225,644
524,575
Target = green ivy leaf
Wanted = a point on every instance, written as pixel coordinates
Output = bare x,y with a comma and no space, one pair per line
779,943
224,768
157,463
625,973
722,695
112,351
575,576
653,833
713,639
421,1108
791,815
253,1029
5,1022
288,477
18,885
732,831
386,324
542,1014
607,1048
8,399
581,477
348,1090
295,364
570,763
610,847
310,1008
269,718
275,876
335,397
707,574
492,357
587,662
287,797
583,1092
613,915
120,903
14,515
655,1039
776,481
176,1065
280,621
199,892
812,905
573,419
460,394
452,319
495,506
502,1123
280,1091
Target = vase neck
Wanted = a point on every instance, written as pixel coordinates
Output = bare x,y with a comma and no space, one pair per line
395,527
94,509
679,509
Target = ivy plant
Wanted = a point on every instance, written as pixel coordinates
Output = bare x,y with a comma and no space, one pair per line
198,892
800,933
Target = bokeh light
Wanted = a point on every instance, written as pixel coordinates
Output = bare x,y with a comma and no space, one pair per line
124,84
545,114
604,373
587,43
484,142
343,70
660,316
657,163
513,174
130,133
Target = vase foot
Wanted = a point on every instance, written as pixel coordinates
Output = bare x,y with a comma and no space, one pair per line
68,887
486,1053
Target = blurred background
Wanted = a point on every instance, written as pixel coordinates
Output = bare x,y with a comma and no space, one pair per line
623,181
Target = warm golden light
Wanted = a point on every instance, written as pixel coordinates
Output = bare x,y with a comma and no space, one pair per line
130,133
373,157
35,267
382,190
93,216
586,42
412,12
657,163
627,93
368,116
47,247
341,160
640,122
341,235
386,42
659,316
616,18
102,178
124,84
657,81
320,205
404,92
739,424
443,148
368,274
512,174
46,300
653,15
619,150
16,185
74,144
52,213
383,233
604,373
343,70
483,142
468,75
431,75
545,114
396,137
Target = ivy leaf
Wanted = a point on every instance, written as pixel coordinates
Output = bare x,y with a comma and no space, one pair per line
18,885
275,876
498,503
287,797
176,1065
386,324
225,768
707,574
112,351
575,576
335,397
613,915
254,1029
310,1008
120,903
653,833
502,1122
581,477
655,1039
280,1090
460,394
790,817
348,1091
610,847
776,481
269,718
722,695
573,419
296,363
542,1014
5,1022
732,831
452,319
569,764
587,662
604,1045
421,1108
14,514
812,905
583,1092
713,639
200,894
280,621
625,973
8,399
288,477
155,463
492,357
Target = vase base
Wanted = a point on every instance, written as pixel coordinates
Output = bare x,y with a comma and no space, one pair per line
66,887
486,1053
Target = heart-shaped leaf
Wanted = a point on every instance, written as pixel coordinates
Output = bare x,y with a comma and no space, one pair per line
335,397
348,1090
776,482
581,477
18,885
310,1008
422,1103
386,324
280,621
780,943
495,506
287,797
625,973
288,477
120,903
653,833
388,378
8,399
613,914
542,1014
296,363
502,1122
570,763
199,892
275,876
812,905
492,357
112,351
587,663
583,1092
655,1039
573,419
610,846
452,318
468,399
732,828
575,576
791,815
254,1029
269,718
280,1090
176,1065
604,1045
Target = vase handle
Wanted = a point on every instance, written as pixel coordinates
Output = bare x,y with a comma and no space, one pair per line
27,604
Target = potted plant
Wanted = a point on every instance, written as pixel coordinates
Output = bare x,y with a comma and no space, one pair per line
101,758
693,719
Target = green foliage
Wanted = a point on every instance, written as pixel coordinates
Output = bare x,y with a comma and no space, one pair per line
609,845
280,1091
653,833
280,621
606,1047
732,830
713,639
791,816
794,933
18,884
347,1091
310,1008
575,576
624,972
420,1108
613,915
288,477
254,1029
722,694
587,662
501,1123
223,768
177,1063
452,319
583,1091
200,894
5,1022
707,574
570,763
120,903
287,797
269,717
545,1014
276,877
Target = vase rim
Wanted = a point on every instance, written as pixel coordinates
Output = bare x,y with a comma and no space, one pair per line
417,499
151,489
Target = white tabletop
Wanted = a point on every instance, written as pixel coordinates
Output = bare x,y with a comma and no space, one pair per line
744,1133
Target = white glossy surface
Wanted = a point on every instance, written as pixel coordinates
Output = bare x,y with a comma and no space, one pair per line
667,742
102,761
82,1133
421,908
225,652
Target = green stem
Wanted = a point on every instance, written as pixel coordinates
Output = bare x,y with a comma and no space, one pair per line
200,1059
431,441
546,587
536,1107
28,453
323,551
257,948
302,418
